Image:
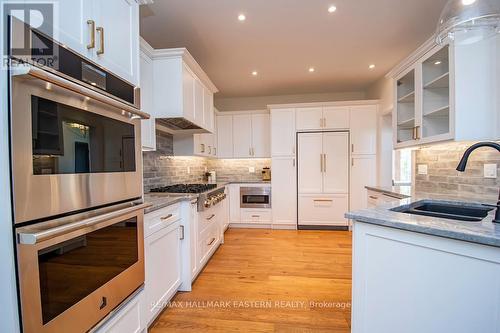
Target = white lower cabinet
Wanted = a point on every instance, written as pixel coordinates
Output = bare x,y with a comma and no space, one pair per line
234,203
323,209
363,173
256,216
409,282
128,318
284,189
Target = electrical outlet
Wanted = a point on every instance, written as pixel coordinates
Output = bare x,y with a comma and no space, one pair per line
490,171
251,170
422,169
189,170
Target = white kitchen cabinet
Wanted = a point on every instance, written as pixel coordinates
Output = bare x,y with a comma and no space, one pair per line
410,282
225,136
119,38
284,187
363,120
335,162
128,318
322,209
283,132
336,117
363,173
234,203
242,136
309,118
182,91
434,95
162,252
261,136
148,126
310,163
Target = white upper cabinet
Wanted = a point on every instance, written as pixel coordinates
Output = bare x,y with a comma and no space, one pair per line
363,129
199,105
310,166
336,117
309,118
208,110
448,93
261,136
335,162
148,126
242,136
283,132
225,136
188,94
117,37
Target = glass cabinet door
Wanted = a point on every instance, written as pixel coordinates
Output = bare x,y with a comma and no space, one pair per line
436,94
406,111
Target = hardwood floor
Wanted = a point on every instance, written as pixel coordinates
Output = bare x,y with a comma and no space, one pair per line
269,281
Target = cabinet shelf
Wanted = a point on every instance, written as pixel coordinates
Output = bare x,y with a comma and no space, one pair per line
407,123
443,111
442,81
408,98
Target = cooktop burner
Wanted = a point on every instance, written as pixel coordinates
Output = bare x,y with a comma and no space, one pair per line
185,188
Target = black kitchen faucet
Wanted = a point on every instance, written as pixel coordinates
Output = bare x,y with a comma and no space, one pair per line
463,163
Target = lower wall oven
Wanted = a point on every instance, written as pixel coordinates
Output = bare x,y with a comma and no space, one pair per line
75,270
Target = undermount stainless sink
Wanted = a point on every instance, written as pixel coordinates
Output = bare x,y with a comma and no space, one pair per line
452,211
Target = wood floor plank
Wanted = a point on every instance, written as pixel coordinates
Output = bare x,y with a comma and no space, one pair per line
269,281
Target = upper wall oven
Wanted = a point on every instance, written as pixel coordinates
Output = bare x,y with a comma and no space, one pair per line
75,136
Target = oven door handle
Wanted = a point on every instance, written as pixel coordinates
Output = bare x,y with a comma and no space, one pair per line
78,88
41,234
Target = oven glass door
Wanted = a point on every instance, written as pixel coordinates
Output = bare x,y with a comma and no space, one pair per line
68,140
71,270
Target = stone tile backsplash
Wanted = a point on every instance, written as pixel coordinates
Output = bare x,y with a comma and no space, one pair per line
162,168
444,181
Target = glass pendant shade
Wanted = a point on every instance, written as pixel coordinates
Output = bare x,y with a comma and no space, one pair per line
468,21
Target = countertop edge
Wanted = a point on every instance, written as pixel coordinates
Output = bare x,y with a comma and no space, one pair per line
395,193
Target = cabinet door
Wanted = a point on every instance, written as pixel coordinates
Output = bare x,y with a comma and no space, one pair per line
336,117
242,136
225,136
73,30
261,136
283,132
188,93
323,209
234,203
162,268
198,103
364,130
208,110
336,162
148,126
363,173
284,185
405,118
309,118
120,21
310,166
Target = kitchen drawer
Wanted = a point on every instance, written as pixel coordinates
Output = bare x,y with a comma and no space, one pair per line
209,239
256,216
208,218
324,209
160,219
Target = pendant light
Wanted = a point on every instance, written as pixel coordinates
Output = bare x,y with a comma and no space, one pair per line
468,21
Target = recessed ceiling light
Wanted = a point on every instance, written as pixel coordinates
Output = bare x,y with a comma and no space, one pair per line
333,8
242,17
254,73
468,2
311,69
437,62
372,66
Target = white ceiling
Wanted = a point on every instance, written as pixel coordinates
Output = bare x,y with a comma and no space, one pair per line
281,39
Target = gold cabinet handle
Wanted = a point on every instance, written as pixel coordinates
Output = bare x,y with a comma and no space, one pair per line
181,237
163,218
417,133
321,162
324,162
91,25
215,151
211,242
322,200
202,147
209,150
100,30
373,197
255,215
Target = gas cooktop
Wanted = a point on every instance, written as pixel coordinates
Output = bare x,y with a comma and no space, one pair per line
184,188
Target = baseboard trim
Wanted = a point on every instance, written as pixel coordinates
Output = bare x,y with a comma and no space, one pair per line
323,227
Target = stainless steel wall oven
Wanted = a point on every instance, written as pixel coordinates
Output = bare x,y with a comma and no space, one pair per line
255,197
76,166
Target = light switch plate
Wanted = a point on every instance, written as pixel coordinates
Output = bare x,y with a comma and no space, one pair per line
490,171
251,170
422,169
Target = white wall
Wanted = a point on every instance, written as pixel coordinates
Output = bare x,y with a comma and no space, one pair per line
9,320
261,102
383,90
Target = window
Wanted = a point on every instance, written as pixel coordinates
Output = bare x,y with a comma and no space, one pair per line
402,169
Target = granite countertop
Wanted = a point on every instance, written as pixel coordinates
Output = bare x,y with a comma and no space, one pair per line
485,232
162,200
400,192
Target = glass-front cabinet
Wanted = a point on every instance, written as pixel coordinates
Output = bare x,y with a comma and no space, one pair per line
406,111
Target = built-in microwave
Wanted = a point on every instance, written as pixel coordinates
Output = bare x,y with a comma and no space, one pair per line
255,197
